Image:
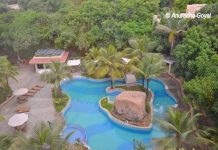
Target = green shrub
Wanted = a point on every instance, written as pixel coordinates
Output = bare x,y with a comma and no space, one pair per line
147,108
60,102
106,105
4,92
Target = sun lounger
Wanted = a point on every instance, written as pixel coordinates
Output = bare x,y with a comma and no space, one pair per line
22,108
22,98
32,91
36,88
40,86
29,94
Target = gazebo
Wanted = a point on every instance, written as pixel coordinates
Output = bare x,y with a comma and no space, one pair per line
46,56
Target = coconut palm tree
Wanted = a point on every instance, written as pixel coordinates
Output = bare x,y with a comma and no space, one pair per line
58,71
151,65
183,131
7,71
139,46
174,28
108,63
45,136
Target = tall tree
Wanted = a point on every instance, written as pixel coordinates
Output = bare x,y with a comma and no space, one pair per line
174,28
7,70
108,63
151,65
183,130
58,71
45,137
139,46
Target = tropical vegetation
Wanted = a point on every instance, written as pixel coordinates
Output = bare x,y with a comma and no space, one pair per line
7,71
57,72
105,31
183,131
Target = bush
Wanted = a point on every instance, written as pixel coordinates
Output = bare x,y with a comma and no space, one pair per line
60,102
106,105
4,93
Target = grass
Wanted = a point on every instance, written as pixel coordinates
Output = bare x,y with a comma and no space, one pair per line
131,88
106,105
60,102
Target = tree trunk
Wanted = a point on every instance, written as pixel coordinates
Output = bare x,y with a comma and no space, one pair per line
177,142
143,81
147,80
171,47
112,84
59,90
6,79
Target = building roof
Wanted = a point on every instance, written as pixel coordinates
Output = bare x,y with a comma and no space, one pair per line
44,59
192,9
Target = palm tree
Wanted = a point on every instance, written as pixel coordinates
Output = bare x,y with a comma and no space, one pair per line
131,66
139,46
58,71
150,66
45,136
7,71
183,131
108,63
173,28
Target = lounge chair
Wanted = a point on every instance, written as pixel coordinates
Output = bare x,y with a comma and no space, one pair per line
22,98
22,108
36,88
29,94
32,91
40,86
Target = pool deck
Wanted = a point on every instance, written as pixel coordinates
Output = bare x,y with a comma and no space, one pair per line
41,105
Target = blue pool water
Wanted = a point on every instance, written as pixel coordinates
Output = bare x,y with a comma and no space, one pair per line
103,134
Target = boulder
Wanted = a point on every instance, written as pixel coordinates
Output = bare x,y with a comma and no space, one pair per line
131,105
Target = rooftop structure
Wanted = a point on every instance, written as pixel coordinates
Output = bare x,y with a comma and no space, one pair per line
192,9
46,56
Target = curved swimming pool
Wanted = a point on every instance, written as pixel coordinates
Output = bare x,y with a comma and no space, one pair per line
102,133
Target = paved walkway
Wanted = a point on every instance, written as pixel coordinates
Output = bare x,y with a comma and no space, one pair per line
174,89
41,104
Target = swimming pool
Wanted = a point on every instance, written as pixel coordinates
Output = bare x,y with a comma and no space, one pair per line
102,133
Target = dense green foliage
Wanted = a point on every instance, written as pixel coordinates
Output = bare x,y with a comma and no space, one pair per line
58,71
6,71
89,25
62,24
60,102
197,62
184,132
